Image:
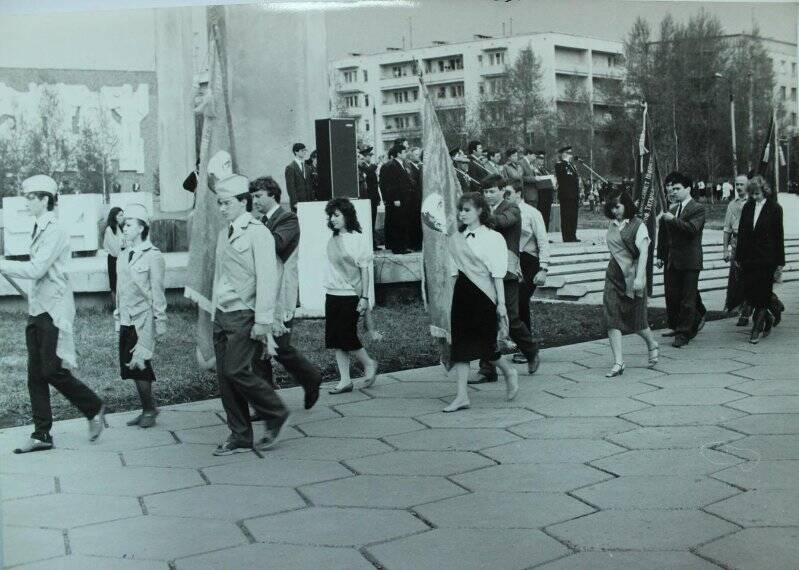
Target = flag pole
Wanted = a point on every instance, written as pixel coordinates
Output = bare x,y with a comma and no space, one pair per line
776,152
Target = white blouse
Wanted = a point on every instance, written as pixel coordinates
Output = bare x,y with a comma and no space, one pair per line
357,246
490,248
113,242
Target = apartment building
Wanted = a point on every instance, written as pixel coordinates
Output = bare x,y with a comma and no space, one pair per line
382,91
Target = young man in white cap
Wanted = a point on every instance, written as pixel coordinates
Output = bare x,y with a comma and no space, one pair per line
51,310
140,308
246,281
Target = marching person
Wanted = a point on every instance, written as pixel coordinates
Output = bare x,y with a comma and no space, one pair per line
480,258
113,242
681,240
568,194
51,316
285,229
299,185
246,282
396,185
533,257
506,220
760,252
624,300
348,292
140,309
735,293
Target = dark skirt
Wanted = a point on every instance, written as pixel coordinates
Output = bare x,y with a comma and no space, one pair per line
620,311
127,340
473,321
758,284
112,273
341,322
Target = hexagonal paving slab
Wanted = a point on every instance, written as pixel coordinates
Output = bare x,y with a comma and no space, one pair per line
391,407
749,547
672,437
699,366
212,435
531,477
155,538
571,428
479,418
469,549
59,462
642,530
596,390
770,372
426,374
503,510
335,526
552,451
79,562
22,545
185,455
171,420
68,511
328,448
130,481
276,472
769,387
19,485
388,491
676,462
413,390
757,447
766,424
717,380
690,396
762,475
761,507
682,415
357,427
451,439
115,439
655,493
630,561
598,375
290,557
226,502
571,407
441,463
768,404
770,358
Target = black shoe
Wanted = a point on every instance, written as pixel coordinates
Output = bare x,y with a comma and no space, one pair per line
272,435
532,366
679,341
311,396
148,419
34,444
483,379
669,333
97,424
769,322
742,322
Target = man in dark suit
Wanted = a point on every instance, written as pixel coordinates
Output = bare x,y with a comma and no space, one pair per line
477,169
544,185
568,194
299,185
507,220
285,229
368,185
529,189
397,188
680,245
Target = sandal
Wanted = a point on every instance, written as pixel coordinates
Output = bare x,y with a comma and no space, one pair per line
654,356
617,370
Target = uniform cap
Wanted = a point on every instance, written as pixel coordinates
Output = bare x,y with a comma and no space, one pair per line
138,211
221,165
40,183
232,186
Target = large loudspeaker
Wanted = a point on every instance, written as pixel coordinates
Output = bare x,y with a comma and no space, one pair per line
338,169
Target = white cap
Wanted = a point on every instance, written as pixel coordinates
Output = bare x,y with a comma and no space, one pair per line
232,186
40,183
221,165
138,211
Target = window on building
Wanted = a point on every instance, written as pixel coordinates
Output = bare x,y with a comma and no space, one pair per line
481,88
366,100
428,66
399,71
793,69
782,93
793,119
496,58
349,76
365,75
351,101
480,60
793,94
442,92
366,126
441,67
415,94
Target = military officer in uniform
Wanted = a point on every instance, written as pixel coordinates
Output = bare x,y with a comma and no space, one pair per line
246,282
545,186
568,194
51,315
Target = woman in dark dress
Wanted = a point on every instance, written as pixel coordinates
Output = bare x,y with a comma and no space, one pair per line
760,253
480,258
624,300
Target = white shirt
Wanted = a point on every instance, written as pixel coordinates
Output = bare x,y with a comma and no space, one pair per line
301,163
357,246
272,211
758,208
683,204
534,239
490,247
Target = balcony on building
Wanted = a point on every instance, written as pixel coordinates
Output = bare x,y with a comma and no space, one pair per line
447,95
396,101
348,80
407,125
606,65
571,61
445,68
493,61
399,74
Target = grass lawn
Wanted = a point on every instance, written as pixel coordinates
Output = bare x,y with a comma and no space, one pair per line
714,217
401,318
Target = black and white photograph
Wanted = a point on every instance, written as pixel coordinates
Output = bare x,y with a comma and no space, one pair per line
399,285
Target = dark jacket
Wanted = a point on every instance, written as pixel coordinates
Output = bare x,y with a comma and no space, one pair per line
764,243
680,241
568,181
368,182
285,228
298,184
478,172
507,220
395,183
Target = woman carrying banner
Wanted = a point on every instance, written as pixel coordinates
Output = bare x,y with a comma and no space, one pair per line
480,258
141,309
348,288
624,299
113,244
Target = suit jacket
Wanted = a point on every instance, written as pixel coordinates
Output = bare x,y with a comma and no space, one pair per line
477,171
568,181
395,183
528,173
680,241
298,184
507,220
764,243
285,228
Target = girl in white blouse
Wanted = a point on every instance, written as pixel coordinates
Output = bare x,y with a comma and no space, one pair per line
348,288
113,242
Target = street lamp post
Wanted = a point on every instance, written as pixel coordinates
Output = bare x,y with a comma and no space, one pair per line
732,125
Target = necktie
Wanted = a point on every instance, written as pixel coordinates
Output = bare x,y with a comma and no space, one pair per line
679,210
35,227
130,256
229,231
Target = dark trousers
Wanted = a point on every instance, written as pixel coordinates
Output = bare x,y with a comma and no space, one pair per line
530,267
545,205
684,307
518,331
238,383
397,229
568,219
302,370
45,370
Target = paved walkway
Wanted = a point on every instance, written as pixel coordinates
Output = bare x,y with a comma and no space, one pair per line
690,466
